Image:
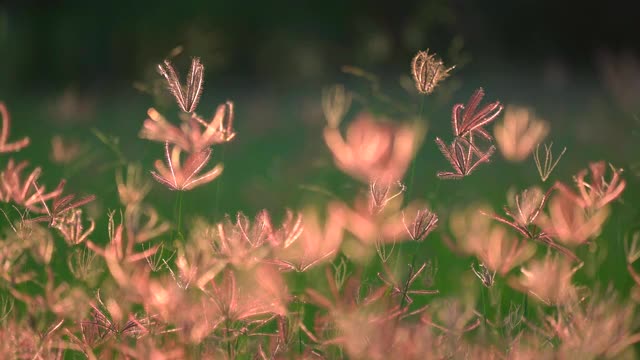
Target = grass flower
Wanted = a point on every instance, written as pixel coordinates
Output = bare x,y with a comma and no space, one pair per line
546,168
597,193
185,176
428,70
519,133
6,146
467,120
336,101
188,95
373,150
523,212
549,280
460,155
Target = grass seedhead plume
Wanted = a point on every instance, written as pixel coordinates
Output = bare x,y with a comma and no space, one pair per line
545,168
188,95
467,120
179,177
428,70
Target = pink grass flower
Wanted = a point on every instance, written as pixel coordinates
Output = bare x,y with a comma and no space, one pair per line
372,150
6,146
181,177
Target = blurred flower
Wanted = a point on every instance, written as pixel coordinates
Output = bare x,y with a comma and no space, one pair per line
598,192
570,223
496,249
428,70
317,244
373,150
194,134
25,192
184,177
64,152
621,76
601,328
121,245
136,187
519,133
549,280
4,133
500,252
335,104
61,205
242,243
260,292
71,227
386,226
523,210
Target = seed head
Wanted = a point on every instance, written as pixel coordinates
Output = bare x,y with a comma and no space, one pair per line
428,70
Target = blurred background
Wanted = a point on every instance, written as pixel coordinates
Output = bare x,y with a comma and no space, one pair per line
86,71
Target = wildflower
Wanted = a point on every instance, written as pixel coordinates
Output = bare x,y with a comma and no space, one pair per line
523,212
385,226
452,316
598,192
519,133
461,157
242,243
545,169
571,224
121,246
291,229
25,192
335,104
499,251
549,280
187,96
64,152
402,288
4,133
195,134
486,277
143,223
467,120
61,205
428,71
185,177
71,227
136,187
317,244
373,150
246,297
381,192
424,223
601,328
83,265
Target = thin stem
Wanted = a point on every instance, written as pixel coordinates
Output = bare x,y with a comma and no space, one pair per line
218,185
179,214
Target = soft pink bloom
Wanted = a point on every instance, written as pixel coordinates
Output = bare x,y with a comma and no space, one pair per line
317,244
598,192
5,146
372,149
